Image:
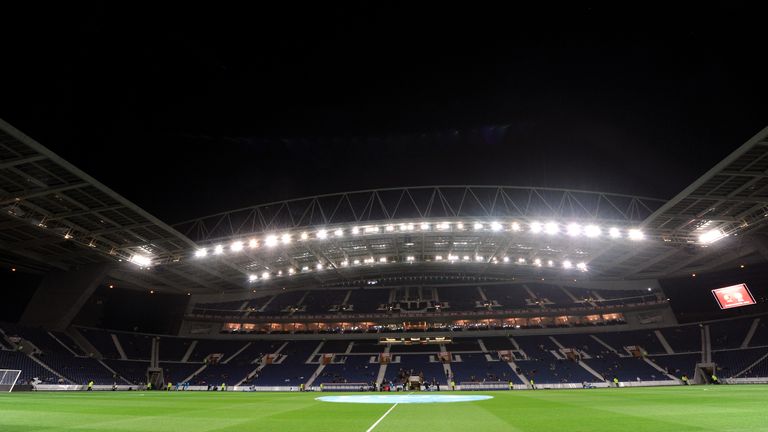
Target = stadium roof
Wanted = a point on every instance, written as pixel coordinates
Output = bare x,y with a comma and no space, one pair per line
57,217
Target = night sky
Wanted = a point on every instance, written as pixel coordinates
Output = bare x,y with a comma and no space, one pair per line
188,113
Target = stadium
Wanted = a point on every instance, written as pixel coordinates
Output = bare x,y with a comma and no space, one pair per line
450,306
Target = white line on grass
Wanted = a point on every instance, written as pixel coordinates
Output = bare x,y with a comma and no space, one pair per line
381,418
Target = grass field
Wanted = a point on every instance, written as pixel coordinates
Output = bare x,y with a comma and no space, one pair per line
723,408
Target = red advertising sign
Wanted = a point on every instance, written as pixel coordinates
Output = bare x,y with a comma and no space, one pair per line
733,296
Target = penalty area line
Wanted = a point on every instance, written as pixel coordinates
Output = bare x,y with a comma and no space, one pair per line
381,418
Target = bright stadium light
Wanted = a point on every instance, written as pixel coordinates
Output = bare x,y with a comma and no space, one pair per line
265,275
344,263
389,228
460,226
506,259
304,236
424,226
305,268
438,258
636,234
592,231
711,236
582,266
201,252
567,264
536,227
515,226
495,226
291,271
371,229
355,230
271,240
141,260
322,234
252,278
410,258
537,262
466,257
551,228
479,258
550,263
339,232
236,246
521,260
319,266
218,250
453,257
356,262
253,244
574,230
478,226
614,232
409,227
286,238
383,260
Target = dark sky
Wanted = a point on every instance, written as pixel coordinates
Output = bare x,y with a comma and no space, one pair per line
188,113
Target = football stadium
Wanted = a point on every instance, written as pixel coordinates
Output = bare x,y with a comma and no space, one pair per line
170,261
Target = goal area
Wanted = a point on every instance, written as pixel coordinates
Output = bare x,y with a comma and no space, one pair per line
8,379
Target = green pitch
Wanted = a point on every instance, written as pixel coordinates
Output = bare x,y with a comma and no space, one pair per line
734,408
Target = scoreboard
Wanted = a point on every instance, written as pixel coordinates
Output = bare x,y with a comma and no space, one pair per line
733,296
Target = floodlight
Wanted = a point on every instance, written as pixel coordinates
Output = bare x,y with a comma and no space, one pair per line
551,228
466,257
537,262
371,229
479,258
536,227
581,266
424,226
304,236
495,226
574,230
636,234
438,258
253,244
339,232
218,250
409,227
319,266
567,264
141,260
460,226
506,259
592,231
355,230
201,252
383,260
322,234
478,226
521,260
614,232
236,246
252,278
344,263
389,228
356,262
271,240
711,236
291,271
550,263
515,226
265,275
409,258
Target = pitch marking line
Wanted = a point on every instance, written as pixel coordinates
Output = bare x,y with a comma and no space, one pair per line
381,418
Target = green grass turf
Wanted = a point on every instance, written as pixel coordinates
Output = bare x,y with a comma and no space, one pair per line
695,408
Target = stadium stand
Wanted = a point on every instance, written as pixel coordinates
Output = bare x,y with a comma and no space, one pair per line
683,339
350,369
79,370
292,369
760,338
475,367
368,300
415,364
173,349
132,371
102,341
728,334
28,367
136,346
732,362
554,371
